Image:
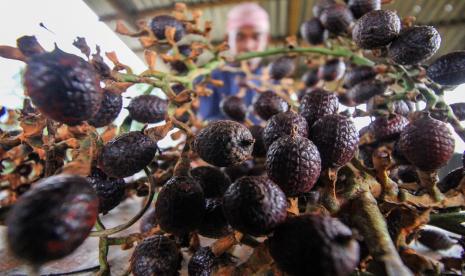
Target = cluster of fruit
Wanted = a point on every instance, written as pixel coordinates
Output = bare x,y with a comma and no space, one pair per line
304,179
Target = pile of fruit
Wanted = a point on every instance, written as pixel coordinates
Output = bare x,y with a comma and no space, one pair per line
304,189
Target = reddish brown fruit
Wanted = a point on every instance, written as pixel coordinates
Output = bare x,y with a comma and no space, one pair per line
160,22
317,104
313,31
109,109
390,127
358,74
234,108
376,29
332,70
283,124
148,109
448,69
336,18
282,67
267,104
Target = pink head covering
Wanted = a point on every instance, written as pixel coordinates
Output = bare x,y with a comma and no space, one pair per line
248,14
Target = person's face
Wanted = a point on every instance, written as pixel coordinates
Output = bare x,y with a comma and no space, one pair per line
247,39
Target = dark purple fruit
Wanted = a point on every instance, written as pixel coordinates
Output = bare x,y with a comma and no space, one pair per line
282,67
314,245
234,108
212,180
205,263
254,205
259,149
268,103
294,163
283,124
148,221
180,205
361,7
310,78
358,74
313,31
214,224
459,110
148,109
332,70
64,87
415,45
127,154
362,92
109,109
224,143
336,18
320,6
448,69
427,143
110,191
156,255
390,127
240,170
336,139
52,219
317,104
160,22
451,180
434,239
376,29
179,67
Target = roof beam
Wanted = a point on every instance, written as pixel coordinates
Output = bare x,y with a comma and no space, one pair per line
293,12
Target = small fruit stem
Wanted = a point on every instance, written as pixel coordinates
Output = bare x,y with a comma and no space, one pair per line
102,251
293,206
382,162
224,244
429,180
329,197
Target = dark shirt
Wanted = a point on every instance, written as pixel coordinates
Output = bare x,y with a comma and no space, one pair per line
210,106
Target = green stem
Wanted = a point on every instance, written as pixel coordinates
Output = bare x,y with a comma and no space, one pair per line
103,251
449,221
338,52
119,228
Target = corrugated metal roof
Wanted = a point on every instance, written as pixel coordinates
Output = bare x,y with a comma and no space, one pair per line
448,16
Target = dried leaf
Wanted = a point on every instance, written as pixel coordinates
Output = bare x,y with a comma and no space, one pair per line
169,34
184,97
11,53
176,135
113,58
100,66
109,133
147,41
418,263
150,58
159,132
32,125
81,44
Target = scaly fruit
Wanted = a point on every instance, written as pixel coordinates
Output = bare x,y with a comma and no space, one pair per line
310,78
254,205
332,70
109,109
156,255
294,163
224,143
358,74
336,139
63,87
336,18
283,124
234,108
414,45
127,154
385,128
52,219
180,205
267,104
314,245
160,22
214,224
148,109
212,180
361,7
313,31
448,69
110,191
317,104
362,92
427,143
376,29
282,67
204,262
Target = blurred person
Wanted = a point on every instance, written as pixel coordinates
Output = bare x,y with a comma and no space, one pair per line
248,29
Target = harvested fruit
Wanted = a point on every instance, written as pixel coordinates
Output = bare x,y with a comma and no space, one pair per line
435,239
317,104
234,108
160,22
294,163
390,127
63,87
254,205
282,67
214,224
358,74
148,109
180,205
427,143
332,70
314,245
156,255
283,124
259,149
376,29
52,219
109,109
268,103
361,7
204,262
362,92
313,31
127,154
110,191
212,180
415,45
448,69
310,78
148,221
224,143
336,18
336,139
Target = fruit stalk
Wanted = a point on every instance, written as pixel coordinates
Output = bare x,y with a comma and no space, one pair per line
429,180
371,224
330,200
102,251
